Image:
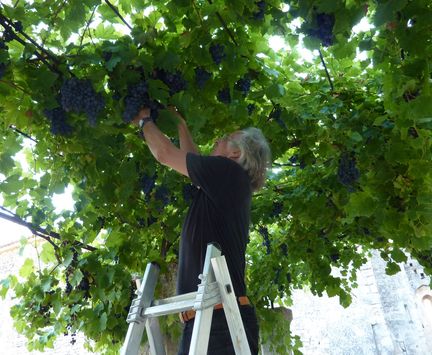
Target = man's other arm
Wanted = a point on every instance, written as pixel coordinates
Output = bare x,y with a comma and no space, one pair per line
161,147
186,141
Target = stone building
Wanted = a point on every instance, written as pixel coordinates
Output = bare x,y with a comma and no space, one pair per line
389,314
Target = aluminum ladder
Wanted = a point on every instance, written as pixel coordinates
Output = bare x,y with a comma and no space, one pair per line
215,287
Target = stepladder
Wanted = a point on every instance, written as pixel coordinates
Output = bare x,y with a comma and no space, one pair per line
215,288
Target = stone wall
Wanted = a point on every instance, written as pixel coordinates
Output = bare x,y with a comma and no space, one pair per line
385,316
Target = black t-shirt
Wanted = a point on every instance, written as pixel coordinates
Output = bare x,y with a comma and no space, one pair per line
220,212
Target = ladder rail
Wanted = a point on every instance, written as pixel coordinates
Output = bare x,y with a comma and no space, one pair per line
230,307
136,329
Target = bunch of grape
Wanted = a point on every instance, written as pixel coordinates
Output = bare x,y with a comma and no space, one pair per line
136,99
69,287
243,85
107,55
79,96
277,209
250,108
259,15
412,132
293,159
324,32
58,119
18,26
8,34
284,249
217,52
189,192
334,257
224,96
276,116
266,236
84,285
162,194
348,173
3,45
147,183
174,81
3,68
201,77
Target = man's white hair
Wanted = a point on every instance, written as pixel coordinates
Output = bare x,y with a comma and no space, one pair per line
255,155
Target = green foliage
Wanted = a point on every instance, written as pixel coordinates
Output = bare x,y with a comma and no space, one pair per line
375,111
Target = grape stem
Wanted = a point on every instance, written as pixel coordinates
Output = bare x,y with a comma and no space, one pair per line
87,27
326,70
118,14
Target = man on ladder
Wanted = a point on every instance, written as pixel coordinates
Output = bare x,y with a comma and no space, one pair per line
220,212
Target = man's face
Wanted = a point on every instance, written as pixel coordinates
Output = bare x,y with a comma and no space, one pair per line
222,147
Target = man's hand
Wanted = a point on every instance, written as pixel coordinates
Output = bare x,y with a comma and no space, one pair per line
143,113
174,110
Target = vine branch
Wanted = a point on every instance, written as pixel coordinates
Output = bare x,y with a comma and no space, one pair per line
38,231
12,127
224,25
118,14
326,70
15,86
24,43
37,45
87,26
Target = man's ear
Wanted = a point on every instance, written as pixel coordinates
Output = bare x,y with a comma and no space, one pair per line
234,154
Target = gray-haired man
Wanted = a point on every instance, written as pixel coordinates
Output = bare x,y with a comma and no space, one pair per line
220,212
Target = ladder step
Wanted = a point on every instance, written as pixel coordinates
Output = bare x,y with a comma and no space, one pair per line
178,298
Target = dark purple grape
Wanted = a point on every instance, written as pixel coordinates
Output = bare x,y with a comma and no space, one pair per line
189,192
277,209
217,52
334,257
162,194
348,173
324,32
413,132
174,81
136,99
250,108
266,236
107,55
259,15
276,116
58,118
3,45
18,26
201,77
224,96
294,159
243,85
78,96
147,183
8,34
3,68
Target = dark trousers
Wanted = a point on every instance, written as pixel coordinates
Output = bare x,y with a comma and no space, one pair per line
220,339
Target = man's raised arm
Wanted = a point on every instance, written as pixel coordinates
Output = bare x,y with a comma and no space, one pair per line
186,141
160,146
